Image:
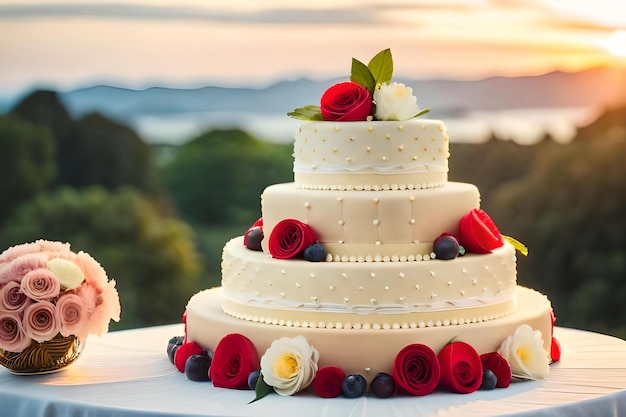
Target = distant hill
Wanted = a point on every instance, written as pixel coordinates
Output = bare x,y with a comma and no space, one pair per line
557,89
175,114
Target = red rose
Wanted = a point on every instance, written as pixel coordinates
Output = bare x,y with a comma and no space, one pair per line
461,369
478,233
416,369
499,366
233,359
346,102
555,350
183,352
289,238
327,382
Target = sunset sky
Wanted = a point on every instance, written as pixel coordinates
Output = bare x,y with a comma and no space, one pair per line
138,43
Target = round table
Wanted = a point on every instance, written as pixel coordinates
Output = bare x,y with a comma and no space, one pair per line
127,373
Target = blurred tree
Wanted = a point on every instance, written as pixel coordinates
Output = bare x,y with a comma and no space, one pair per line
109,154
219,177
43,108
153,258
26,160
93,150
491,164
570,212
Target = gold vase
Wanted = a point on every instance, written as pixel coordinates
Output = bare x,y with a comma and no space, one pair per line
43,358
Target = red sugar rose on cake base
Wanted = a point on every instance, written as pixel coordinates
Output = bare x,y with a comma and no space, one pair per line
416,369
461,369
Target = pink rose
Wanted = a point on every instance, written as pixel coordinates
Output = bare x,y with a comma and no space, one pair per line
38,246
40,321
12,298
90,295
94,272
346,101
108,309
41,284
72,316
16,269
12,337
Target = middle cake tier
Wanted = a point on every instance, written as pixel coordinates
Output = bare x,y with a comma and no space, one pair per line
385,294
371,226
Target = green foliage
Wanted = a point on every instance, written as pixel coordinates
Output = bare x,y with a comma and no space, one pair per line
108,154
310,112
569,210
378,71
211,241
381,67
93,150
26,160
152,257
218,178
361,74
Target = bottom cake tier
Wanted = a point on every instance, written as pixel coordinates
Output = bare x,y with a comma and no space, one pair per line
366,351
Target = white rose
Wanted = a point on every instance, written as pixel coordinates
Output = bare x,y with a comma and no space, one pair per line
289,365
394,101
69,274
525,353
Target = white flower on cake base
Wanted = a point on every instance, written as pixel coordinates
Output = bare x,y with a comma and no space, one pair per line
525,353
395,101
289,365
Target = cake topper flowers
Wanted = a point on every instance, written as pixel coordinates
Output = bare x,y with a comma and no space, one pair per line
369,95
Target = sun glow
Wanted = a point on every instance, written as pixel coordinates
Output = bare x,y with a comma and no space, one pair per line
615,43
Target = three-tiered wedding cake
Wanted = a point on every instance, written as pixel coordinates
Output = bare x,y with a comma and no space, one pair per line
370,248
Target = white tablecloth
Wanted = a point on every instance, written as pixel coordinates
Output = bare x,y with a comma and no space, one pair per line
128,373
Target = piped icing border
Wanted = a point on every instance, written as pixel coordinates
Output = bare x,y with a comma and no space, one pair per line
346,321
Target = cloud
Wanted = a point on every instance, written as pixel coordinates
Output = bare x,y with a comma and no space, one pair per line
369,13
173,12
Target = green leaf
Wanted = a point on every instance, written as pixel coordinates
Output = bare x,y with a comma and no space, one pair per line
517,245
309,112
381,67
362,75
261,389
423,112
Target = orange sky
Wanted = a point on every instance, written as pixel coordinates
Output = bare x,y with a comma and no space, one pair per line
245,42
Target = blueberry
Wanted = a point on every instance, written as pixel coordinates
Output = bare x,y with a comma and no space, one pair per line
174,341
172,352
315,252
489,380
353,386
197,367
253,378
383,385
446,247
254,236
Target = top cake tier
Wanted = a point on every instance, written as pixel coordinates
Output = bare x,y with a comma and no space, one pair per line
371,155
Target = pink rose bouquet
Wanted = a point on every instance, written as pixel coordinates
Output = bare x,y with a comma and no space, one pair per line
46,290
